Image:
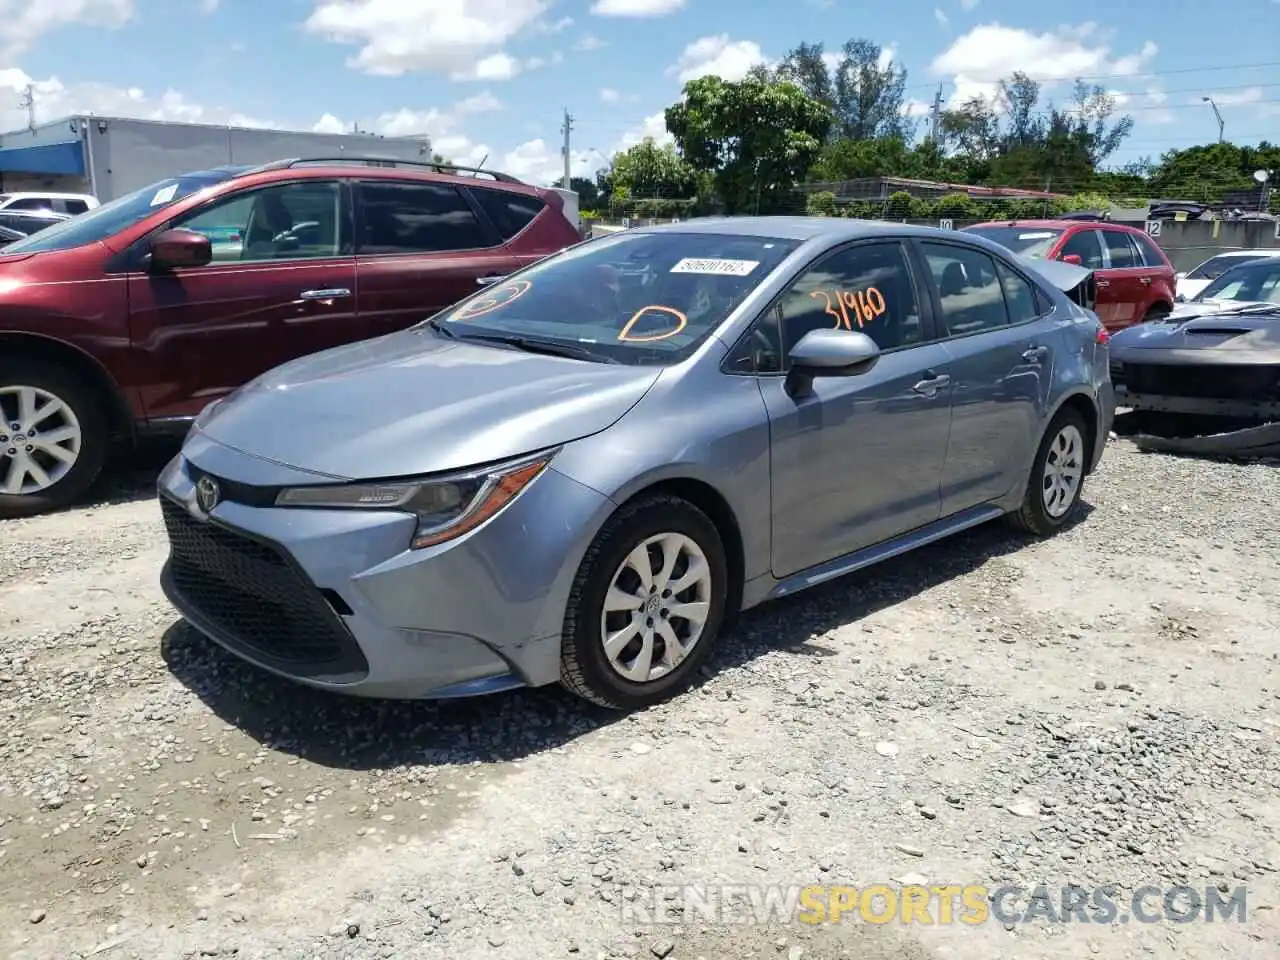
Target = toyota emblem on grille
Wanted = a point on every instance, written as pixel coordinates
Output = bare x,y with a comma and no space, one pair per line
207,493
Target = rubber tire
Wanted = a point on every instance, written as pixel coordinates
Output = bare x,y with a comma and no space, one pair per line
584,669
88,408
1032,517
1156,312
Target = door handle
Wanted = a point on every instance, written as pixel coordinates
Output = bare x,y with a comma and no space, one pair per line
1104,283
485,281
1035,354
1145,280
930,384
334,293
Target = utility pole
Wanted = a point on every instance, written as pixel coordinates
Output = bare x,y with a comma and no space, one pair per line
29,102
566,130
936,119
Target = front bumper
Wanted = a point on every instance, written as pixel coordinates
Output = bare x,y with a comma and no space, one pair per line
335,599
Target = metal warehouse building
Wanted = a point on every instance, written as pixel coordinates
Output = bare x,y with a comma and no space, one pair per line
112,156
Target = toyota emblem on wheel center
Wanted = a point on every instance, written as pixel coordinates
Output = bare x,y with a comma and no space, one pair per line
207,493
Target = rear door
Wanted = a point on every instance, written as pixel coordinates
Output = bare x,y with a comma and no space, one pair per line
281,285
421,246
531,228
1157,273
1001,336
1126,276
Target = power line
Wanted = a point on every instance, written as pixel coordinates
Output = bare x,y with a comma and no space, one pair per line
1131,76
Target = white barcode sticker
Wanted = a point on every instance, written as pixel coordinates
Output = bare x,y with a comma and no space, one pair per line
164,195
716,268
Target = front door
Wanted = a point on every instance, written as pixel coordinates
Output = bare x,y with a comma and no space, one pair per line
1087,245
420,248
281,285
1001,338
1127,280
858,459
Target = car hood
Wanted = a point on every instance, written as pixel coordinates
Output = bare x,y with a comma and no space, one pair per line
1205,336
414,403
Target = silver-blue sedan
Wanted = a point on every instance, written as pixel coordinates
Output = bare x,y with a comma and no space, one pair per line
577,474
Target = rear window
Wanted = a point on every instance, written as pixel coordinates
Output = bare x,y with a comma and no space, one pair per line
1027,241
510,212
1215,267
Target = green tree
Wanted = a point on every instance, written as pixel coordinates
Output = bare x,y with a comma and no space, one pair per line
648,171
757,138
1211,173
587,191
864,91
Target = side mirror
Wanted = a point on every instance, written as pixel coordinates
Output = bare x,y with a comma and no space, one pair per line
829,353
180,248
1073,258
1180,276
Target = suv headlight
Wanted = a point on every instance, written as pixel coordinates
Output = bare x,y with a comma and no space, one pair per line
446,507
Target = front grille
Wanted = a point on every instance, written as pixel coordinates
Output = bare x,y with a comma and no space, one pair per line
253,595
1204,381
235,492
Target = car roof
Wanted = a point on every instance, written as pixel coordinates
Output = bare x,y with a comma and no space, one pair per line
1246,253
835,229
359,168
1049,223
18,194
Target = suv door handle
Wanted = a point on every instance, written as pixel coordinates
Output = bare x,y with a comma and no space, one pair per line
485,281
334,293
1144,280
1035,354
1104,283
931,382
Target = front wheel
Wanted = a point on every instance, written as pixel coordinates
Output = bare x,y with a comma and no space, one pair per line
52,438
1057,476
646,606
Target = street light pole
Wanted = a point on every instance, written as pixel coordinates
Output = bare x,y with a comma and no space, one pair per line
1216,113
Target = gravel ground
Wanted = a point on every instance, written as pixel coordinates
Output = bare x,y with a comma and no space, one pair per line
1099,708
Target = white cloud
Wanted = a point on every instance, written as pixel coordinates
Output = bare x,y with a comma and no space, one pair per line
636,8
55,100
653,127
558,26
457,39
980,58
330,124
1235,98
968,4
484,102
22,22
589,42
916,108
496,66
208,6
608,95
940,15
718,56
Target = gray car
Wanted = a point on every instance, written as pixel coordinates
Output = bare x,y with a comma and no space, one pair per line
581,472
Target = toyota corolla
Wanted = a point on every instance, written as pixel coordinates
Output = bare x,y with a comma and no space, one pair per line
583,471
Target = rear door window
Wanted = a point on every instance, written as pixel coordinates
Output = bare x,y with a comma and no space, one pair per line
510,212
416,217
970,292
1124,254
1150,252
75,206
30,203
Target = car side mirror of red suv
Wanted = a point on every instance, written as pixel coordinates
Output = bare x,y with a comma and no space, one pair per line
180,248
1073,258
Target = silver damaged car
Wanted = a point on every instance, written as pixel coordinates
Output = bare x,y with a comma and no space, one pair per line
580,473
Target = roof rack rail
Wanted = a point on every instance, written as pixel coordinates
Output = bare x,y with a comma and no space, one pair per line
447,168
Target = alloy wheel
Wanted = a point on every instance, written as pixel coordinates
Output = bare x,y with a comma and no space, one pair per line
656,608
40,439
1063,471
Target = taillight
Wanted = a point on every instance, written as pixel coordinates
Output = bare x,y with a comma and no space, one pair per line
1103,336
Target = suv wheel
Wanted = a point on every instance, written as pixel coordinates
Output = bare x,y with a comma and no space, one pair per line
52,438
646,605
1155,313
1057,476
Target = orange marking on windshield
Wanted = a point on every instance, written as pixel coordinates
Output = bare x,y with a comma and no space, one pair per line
865,305
499,296
624,334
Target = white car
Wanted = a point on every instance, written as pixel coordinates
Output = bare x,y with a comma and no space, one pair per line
70,203
1193,281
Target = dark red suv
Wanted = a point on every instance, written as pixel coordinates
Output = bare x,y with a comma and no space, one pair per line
131,318
1135,279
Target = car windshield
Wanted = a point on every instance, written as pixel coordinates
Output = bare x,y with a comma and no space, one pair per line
632,298
1255,282
1215,267
110,218
1028,241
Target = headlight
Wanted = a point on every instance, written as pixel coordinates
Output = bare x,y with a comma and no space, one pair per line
446,507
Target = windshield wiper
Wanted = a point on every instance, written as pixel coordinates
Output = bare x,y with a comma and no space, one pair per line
435,324
549,347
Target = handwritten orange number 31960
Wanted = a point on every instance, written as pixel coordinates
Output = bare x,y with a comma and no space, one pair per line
864,305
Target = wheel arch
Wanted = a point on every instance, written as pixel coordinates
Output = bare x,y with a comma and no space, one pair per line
715,505
1087,407
58,352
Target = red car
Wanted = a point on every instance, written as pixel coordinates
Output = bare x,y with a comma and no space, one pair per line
1135,279
131,318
